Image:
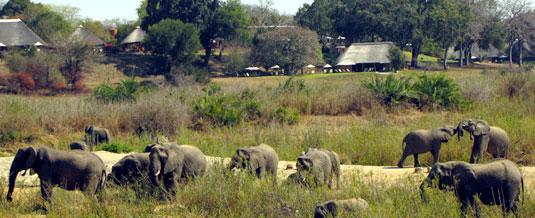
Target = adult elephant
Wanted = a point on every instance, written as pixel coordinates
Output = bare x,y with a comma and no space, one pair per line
171,163
492,139
133,168
497,182
96,135
333,207
422,141
258,160
318,166
69,170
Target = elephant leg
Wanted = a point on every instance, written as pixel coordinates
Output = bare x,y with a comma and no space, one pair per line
436,155
416,161
475,153
400,163
46,190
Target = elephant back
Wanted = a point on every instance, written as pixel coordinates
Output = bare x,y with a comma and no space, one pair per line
194,159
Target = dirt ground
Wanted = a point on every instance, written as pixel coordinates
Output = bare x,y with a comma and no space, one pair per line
384,174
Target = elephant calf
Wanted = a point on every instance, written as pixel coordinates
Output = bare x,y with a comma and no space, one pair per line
331,208
423,141
258,160
318,166
96,135
132,168
78,146
69,170
495,183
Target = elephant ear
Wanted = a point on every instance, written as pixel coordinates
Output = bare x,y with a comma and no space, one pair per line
462,174
89,128
30,157
443,134
243,153
305,161
149,147
171,163
481,128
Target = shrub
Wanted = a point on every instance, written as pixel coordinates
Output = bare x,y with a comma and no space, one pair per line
436,92
391,91
18,123
516,84
287,116
158,114
223,110
16,63
20,82
127,90
397,57
292,85
117,147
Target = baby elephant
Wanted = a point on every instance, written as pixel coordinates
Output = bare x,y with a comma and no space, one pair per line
318,166
78,146
423,141
258,160
494,183
331,208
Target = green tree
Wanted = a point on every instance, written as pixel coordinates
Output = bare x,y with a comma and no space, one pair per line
204,14
46,23
317,16
445,20
290,48
142,10
174,42
14,7
397,57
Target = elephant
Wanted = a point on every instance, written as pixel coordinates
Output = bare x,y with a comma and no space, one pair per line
318,166
331,208
78,146
422,141
96,135
492,139
171,163
132,168
495,183
258,160
70,170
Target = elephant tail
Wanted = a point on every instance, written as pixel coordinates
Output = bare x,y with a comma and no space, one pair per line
101,182
403,144
523,193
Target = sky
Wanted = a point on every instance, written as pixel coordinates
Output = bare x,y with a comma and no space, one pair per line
108,9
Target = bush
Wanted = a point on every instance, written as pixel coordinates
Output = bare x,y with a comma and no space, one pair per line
158,114
20,82
18,123
391,91
436,92
128,90
223,110
287,116
516,84
117,147
397,57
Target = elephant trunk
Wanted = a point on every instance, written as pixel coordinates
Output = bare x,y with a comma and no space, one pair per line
155,171
12,178
425,183
459,131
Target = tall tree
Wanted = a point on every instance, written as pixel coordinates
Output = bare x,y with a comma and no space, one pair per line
514,16
317,16
173,41
201,13
14,7
290,48
46,23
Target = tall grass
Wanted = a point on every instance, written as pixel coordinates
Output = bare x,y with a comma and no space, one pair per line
218,194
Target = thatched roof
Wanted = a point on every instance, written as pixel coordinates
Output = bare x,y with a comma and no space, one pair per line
13,32
478,52
81,33
135,36
366,53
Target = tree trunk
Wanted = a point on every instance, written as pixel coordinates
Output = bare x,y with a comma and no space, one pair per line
208,54
520,47
460,54
511,55
445,61
415,53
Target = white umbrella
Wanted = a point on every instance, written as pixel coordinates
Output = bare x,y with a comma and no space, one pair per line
310,66
275,67
327,66
252,68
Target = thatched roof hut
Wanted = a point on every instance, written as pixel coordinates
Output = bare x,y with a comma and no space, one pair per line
371,56
13,32
136,36
81,33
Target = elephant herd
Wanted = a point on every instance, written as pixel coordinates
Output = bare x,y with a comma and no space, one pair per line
165,165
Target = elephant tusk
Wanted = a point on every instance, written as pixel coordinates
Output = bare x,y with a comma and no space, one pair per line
24,174
157,173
